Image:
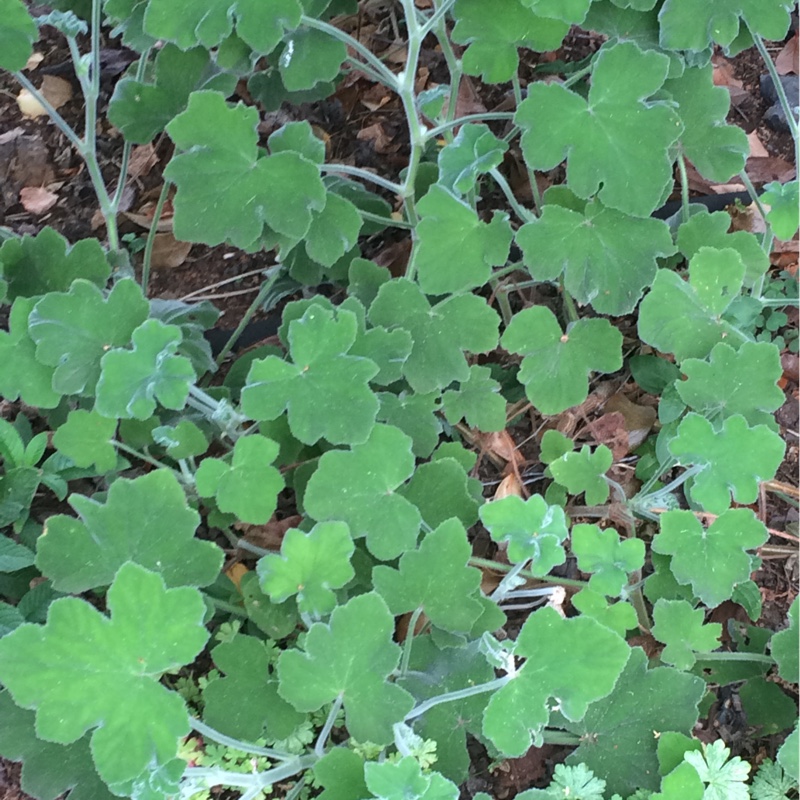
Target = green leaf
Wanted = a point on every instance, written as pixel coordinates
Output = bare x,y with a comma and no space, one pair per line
436,578
260,25
107,679
310,566
17,35
341,772
681,628
574,660
442,489
607,258
35,265
617,142
449,224
683,317
184,440
74,330
325,391
784,646
584,471
767,707
474,152
415,415
712,560
21,375
734,459
782,199
533,530
555,369
570,11
717,149
771,782
554,445
351,657
145,520
277,621
310,57
334,230
142,109
249,486
742,381
405,780
789,754
14,556
245,701
359,487
493,38
620,617
478,401
226,192
577,781
48,770
724,778
610,560
440,333
87,439
131,381
685,26
620,732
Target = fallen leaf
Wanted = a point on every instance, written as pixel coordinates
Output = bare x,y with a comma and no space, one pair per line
786,61
29,106
236,572
56,90
757,149
723,74
37,200
168,252
610,430
509,486
143,159
34,60
376,134
270,535
502,445
639,419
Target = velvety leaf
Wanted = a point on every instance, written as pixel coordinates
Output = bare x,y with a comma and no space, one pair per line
14,556
607,258
87,438
616,142
619,734
735,459
712,560
722,777
440,490
556,365
359,487
249,485
436,578
415,415
584,471
184,440
620,617
784,646
310,566
145,520
681,628
782,200
448,225
478,401
574,660
310,57
341,772
600,552
571,11
350,657
333,231
107,679
474,152
17,35
405,780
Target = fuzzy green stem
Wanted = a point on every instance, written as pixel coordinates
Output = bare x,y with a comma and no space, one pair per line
141,456
237,744
535,196
387,221
759,658
147,257
551,580
684,188
228,608
409,640
322,739
357,172
518,208
468,118
766,244
437,18
460,694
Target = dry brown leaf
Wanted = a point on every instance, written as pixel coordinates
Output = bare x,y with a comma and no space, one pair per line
143,159
786,61
639,419
502,445
56,90
610,430
37,200
270,535
168,252
757,149
381,141
236,572
34,60
509,486
723,72
395,257
29,106
772,168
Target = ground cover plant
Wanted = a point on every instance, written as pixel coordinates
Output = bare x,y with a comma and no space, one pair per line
151,650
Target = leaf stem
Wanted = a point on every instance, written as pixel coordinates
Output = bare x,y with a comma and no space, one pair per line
322,739
147,257
519,210
535,196
468,118
141,456
684,188
459,694
766,243
552,580
721,656
364,174
223,605
237,744
213,776
409,640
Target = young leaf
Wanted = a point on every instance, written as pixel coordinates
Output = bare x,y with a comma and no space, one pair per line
48,770
145,520
730,382
477,400
341,772
107,679
249,486
735,459
684,26
610,560
132,380
184,440
74,330
404,780
555,369
440,333
493,38
474,152
575,660
771,782
350,657
584,471
723,778
713,561
617,142
225,191
310,566
578,781
310,57
17,35
245,701
533,529
359,487
325,391
607,258
87,438
784,646
683,317
717,149
782,199
436,578
681,628
620,732
449,224
35,265
620,617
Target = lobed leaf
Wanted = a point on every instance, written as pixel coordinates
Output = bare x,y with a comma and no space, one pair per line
474,152
584,471
600,552
784,646
405,780
17,35
415,415
87,439
477,400
684,632
782,200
